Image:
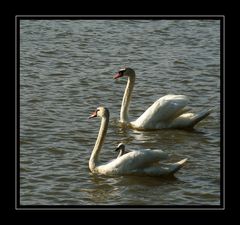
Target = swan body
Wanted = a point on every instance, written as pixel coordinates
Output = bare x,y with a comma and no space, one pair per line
143,162
168,111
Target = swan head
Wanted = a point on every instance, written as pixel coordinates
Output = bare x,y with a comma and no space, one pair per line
100,112
121,149
120,146
124,72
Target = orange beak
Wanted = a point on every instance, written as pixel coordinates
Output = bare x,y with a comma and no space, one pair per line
116,76
94,114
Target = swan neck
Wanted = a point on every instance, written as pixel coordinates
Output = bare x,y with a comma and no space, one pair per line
127,98
99,142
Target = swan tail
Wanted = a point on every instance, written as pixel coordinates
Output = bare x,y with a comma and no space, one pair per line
189,120
178,165
199,116
166,169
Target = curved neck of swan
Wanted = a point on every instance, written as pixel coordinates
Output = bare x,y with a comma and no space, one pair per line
99,142
121,152
127,98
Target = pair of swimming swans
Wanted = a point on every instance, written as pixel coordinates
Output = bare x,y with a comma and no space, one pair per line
167,112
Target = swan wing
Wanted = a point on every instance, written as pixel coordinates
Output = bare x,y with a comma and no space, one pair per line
142,163
136,160
163,168
162,111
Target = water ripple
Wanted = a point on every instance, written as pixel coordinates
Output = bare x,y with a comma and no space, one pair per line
66,71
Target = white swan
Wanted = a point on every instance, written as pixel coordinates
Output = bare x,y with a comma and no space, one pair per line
142,162
121,149
167,112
